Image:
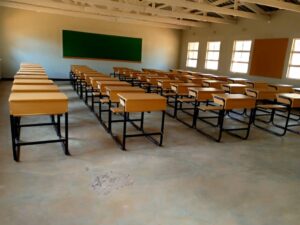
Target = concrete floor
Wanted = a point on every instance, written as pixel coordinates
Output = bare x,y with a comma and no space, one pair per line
192,180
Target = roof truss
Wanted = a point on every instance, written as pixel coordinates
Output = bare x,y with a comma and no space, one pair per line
178,14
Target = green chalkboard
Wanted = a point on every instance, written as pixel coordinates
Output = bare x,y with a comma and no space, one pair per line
101,46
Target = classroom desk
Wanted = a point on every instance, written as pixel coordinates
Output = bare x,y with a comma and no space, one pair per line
181,90
262,94
151,84
258,84
35,88
94,89
33,104
238,80
31,73
113,97
32,82
226,103
290,99
213,83
221,78
197,80
83,79
134,75
86,85
113,91
165,85
34,65
94,80
234,101
140,103
196,95
103,84
32,69
204,94
234,88
287,102
296,90
30,77
87,77
214,77
142,78
154,80
185,77
282,88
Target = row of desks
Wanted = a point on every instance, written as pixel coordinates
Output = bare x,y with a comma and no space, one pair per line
33,94
194,91
208,85
121,98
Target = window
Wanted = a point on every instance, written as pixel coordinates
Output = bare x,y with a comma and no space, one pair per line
294,62
212,55
240,56
192,54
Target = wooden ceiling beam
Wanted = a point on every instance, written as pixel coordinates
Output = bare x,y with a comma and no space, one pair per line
276,4
210,8
89,16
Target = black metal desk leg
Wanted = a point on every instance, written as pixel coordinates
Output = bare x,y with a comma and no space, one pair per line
13,137
86,95
126,114
175,106
58,126
100,111
66,142
92,99
109,117
142,121
81,89
162,128
221,122
196,112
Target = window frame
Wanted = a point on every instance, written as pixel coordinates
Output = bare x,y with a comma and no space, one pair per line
214,51
292,52
192,50
241,51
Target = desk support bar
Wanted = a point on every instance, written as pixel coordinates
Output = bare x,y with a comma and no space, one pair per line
15,133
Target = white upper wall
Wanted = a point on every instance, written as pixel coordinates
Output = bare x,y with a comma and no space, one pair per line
282,25
27,36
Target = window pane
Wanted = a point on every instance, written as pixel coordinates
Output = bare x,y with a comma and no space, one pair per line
294,72
247,45
193,45
297,45
239,67
242,45
213,65
238,46
213,56
241,57
195,55
215,45
295,60
192,55
191,63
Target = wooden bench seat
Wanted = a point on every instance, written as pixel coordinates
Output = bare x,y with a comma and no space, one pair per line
186,100
271,106
210,107
117,110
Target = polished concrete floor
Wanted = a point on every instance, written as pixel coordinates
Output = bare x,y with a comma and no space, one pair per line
191,180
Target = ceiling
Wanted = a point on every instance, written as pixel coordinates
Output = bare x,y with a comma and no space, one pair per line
177,14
